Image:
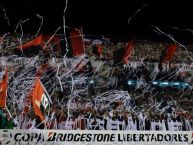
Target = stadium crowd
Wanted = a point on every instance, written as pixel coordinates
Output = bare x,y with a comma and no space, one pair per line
99,102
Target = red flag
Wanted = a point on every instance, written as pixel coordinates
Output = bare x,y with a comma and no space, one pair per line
35,42
170,52
3,89
76,43
39,98
28,99
128,51
99,49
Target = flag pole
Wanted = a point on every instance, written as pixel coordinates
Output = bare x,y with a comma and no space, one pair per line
8,112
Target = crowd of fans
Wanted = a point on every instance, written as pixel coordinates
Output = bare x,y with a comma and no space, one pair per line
143,49
147,112
146,107
147,51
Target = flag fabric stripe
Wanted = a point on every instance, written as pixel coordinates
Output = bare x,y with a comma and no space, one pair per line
170,52
34,42
166,55
30,48
38,93
44,101
28,99
128,52
99,49
76,43
3,89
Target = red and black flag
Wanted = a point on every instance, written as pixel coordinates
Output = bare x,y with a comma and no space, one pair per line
167,55
128,52
170,53
30,48
73,44
3,88
40,71
39,99
124,54
77,44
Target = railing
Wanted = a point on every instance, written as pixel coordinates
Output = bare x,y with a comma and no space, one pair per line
115,124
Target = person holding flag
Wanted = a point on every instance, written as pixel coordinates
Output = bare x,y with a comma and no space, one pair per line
40,103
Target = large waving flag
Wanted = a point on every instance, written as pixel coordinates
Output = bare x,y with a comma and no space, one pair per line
34,42
40,71
39,99
3,88
77,43
166,55
128,52
30,48
170,52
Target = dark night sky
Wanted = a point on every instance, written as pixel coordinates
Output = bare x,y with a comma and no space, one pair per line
100,16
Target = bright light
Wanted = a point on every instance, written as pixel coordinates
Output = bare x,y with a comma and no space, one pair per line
91,82
165,83
155,82
185,84
129,82
176,83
